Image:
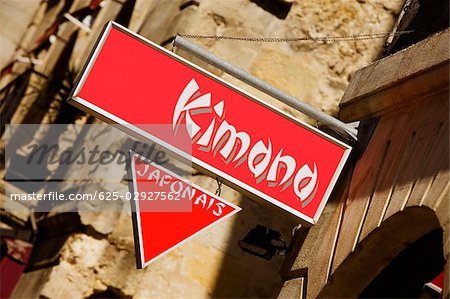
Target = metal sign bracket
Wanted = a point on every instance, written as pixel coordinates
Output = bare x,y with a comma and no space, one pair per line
348,131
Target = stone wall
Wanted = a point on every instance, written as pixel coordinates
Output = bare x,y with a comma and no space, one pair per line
316,73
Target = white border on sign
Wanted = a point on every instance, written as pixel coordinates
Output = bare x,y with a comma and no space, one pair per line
108,117
434,287
141,255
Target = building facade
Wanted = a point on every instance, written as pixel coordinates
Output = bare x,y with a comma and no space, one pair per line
387,228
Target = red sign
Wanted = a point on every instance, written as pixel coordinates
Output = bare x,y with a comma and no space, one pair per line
12,264
253,146
157,233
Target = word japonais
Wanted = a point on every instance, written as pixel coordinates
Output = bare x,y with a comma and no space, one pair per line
181,188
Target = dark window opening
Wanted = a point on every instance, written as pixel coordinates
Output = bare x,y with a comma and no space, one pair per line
409,271
423,18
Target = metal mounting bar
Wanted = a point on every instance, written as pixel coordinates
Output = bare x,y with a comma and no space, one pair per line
289,100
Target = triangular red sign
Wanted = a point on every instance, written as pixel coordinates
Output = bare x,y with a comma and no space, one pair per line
167,210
